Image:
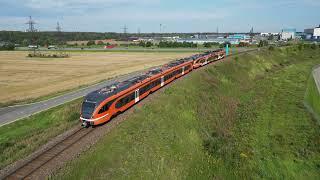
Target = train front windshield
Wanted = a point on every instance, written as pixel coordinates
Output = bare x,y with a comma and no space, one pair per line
87,109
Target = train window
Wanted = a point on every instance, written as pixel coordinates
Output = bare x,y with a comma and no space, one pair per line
88,108
125,100
187,68
106,107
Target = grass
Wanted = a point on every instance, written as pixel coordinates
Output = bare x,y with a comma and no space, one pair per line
312,98
241,119
23,137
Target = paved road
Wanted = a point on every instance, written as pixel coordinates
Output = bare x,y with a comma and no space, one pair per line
13,113
316,76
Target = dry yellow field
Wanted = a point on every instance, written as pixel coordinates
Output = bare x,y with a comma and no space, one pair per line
24,78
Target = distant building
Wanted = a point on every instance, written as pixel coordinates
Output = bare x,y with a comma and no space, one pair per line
301,35
288,34
313,33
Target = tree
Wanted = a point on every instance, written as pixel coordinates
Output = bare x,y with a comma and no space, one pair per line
100,43
243,44
7,47
263,43
90,43
207,45
271,37
149,44
225,45
142,44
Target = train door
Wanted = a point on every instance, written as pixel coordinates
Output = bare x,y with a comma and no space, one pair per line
162,81
136,95
183,70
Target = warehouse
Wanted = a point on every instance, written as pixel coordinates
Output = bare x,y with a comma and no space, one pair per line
288,34
313,33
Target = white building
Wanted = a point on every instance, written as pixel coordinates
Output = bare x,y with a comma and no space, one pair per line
312,33
288,34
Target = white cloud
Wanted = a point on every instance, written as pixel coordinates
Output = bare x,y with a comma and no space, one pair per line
81,4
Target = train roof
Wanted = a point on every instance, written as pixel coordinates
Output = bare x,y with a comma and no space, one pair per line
100,95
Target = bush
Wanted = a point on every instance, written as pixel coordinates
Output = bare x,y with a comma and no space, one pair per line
300,46
168,44
207,45
271,48
7,47
243,44
263,43
90,43
100,43
225,44
149,44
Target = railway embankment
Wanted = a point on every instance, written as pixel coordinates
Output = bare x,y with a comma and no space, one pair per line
312,96
243,118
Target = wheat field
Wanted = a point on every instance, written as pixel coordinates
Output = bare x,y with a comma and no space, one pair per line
23,78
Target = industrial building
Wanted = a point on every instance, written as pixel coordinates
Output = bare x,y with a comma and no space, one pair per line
313,33
288,34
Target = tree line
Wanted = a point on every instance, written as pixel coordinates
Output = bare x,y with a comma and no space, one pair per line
170,44
45,38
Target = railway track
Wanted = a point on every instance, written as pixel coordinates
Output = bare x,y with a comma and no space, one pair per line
28,168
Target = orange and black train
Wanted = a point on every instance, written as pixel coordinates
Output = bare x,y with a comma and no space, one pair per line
100,106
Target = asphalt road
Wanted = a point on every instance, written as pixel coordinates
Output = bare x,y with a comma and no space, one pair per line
14,113
316,76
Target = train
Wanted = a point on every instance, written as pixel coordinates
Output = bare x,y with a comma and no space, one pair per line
100,106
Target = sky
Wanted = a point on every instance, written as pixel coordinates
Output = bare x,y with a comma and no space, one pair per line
174,15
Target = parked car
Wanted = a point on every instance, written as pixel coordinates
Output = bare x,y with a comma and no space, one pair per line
52,47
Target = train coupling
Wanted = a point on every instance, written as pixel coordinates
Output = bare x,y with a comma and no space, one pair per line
85,124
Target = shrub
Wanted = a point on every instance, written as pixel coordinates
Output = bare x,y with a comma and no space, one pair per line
100,43
271,48
149,44
263,43
225,44
90,43
7,47
243,44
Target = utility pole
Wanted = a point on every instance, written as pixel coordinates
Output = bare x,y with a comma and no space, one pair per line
31,29
59,35
139,32
31,24
125,29
160,31
58,28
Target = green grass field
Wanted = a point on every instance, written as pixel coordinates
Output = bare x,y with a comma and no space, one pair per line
312,98
240,119
23,137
